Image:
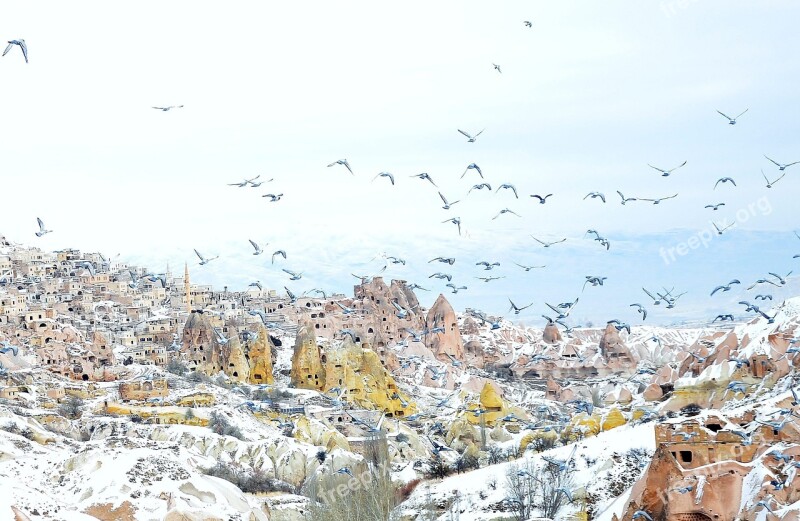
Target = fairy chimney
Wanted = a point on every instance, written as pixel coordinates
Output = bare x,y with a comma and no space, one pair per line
448,342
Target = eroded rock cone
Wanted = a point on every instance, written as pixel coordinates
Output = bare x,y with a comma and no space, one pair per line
448,342
551,334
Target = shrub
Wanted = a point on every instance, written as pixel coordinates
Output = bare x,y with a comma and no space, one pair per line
404,492
321,456
466,462
71,408
219,424
175,366
495,454
250,481
437,468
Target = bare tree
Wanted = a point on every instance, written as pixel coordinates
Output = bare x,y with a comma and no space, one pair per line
366,496
544,489
521,486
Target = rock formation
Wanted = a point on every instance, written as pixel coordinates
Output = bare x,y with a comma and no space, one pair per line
448,342
356,371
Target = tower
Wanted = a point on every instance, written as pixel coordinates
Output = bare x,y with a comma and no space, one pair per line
187,287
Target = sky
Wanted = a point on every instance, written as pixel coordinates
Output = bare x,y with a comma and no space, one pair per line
587,97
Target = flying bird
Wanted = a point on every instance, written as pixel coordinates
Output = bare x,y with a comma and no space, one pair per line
666,173
658,200
446,260
527,23
489,279
424,177
529,268
293,275
594,281
256,247
715,207
22,45
517,309
487,265
732,121
342,162
763,297
273,198
496,67
725,287
204,260
720,230
447,204
506,210
480,187
595,195
723,318
242,184
781,280
625,199
473,166
456,221
509,187
170,107
279,252
641,310
42,231
602,240
471,138
548,244
770,183
761,281
455,288
541,199
781,166
439,275
385,174
724,180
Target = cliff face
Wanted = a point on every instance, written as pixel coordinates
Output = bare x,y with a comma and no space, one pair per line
200,345
242,363
357,373
307,369
234,362
448,342
260,358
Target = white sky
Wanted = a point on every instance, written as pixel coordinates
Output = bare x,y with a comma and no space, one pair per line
587,97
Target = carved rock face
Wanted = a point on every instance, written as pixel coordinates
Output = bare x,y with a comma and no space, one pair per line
449,342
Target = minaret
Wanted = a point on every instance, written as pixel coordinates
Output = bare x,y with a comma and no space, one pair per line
187,287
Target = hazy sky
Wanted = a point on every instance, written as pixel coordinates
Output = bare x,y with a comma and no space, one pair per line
587,97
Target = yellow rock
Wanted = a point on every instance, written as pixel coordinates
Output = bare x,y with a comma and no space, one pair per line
260,354
356,371
612,420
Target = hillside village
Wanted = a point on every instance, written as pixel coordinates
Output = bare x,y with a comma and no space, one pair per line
131,394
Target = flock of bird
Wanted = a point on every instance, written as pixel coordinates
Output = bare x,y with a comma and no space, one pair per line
481,184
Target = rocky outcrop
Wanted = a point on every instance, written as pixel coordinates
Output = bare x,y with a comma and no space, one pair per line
551,335
357,372
307,369
259,354
447,342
